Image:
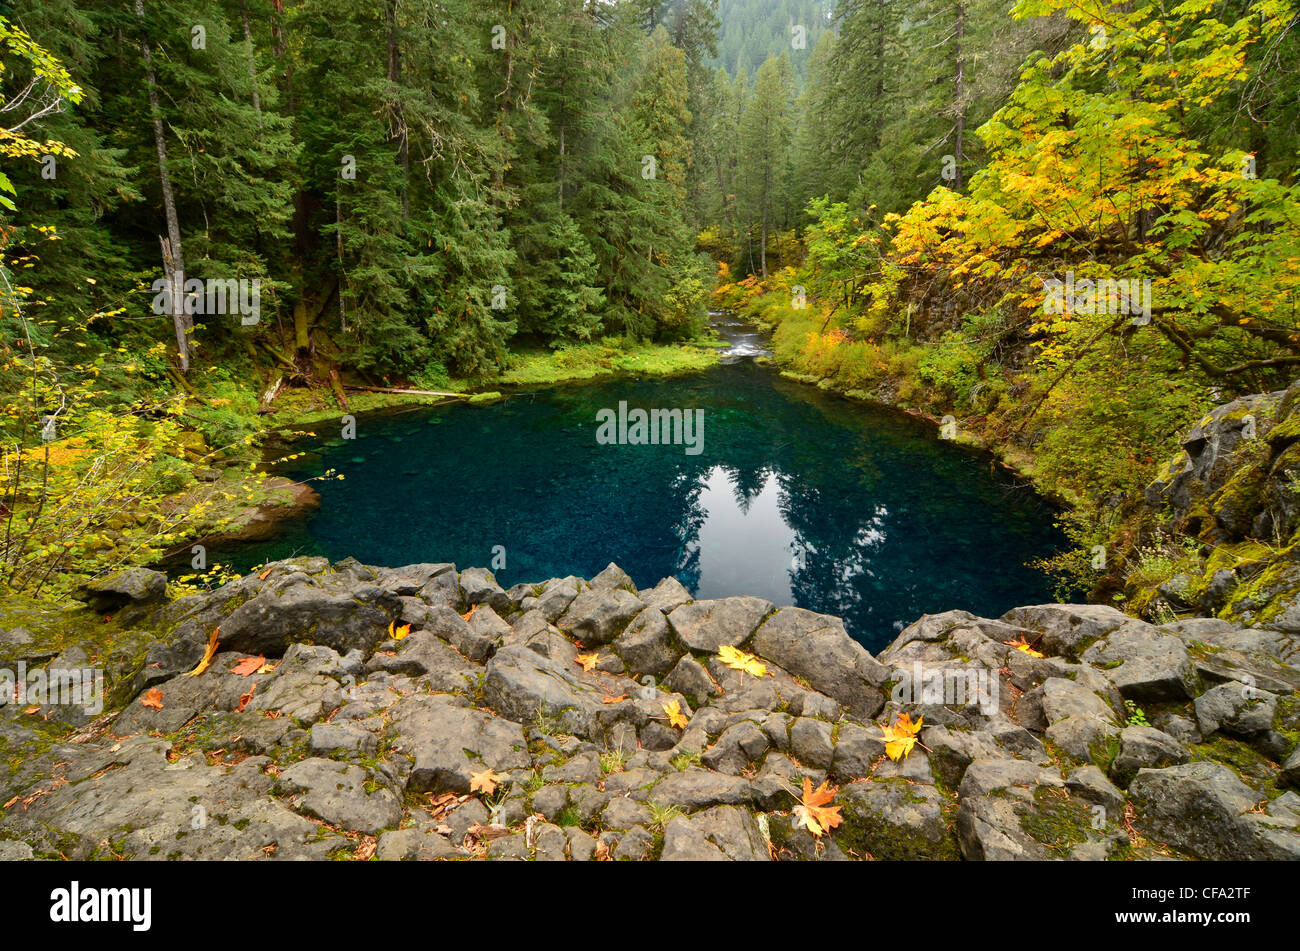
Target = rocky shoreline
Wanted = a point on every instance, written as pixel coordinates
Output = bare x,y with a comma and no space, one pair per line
583,720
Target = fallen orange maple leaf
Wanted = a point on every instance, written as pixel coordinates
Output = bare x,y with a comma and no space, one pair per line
152,699
249,666
246,698
587,661
814,812
1021,644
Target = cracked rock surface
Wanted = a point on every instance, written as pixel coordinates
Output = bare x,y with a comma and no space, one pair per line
489,730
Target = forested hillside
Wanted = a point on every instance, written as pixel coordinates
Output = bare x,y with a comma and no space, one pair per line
595,430
413,183
751,31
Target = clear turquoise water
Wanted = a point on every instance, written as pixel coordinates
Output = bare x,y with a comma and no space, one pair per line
798,496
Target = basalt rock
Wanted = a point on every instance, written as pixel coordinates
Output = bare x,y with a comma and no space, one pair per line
572,720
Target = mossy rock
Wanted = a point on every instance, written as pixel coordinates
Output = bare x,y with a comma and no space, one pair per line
896,820
1057,821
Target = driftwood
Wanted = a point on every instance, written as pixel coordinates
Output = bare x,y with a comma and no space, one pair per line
393,389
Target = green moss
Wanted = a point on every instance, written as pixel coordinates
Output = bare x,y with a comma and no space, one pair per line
1057,822
866,830
569,816
594,361
1268,593
1284,432
1247,762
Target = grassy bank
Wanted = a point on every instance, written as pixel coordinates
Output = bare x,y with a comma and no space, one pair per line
593,361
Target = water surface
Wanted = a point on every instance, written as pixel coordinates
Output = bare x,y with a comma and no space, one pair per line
798,496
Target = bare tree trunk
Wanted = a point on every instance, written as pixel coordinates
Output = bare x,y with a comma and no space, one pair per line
172,252
400,136
960,97
252,62
500,177
338,236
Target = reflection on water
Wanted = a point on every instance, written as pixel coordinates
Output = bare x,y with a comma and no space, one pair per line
798,497
744,542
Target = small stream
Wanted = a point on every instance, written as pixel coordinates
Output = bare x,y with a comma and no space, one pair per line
745,342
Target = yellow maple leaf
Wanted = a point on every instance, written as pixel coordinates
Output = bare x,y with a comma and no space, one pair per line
208,654
738,660
485,782
397,633
586,661
815,813
676,718
1022,645
901,737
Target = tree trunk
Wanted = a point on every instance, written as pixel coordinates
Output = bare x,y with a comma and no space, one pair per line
400,136
338,237
252,62
959,100
500,177
172,252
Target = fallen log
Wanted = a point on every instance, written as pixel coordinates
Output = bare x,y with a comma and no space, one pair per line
393,389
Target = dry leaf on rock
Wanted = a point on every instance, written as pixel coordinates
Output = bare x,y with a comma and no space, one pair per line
152,699
208,654
814,812
737,659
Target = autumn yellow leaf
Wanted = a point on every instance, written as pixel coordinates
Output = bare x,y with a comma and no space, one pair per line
1024,646
152,699
815,813
485,782
249,666
901,737
397,633
587,661
673,709
208,654
739,660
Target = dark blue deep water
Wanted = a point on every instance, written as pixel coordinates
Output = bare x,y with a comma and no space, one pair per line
798,496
